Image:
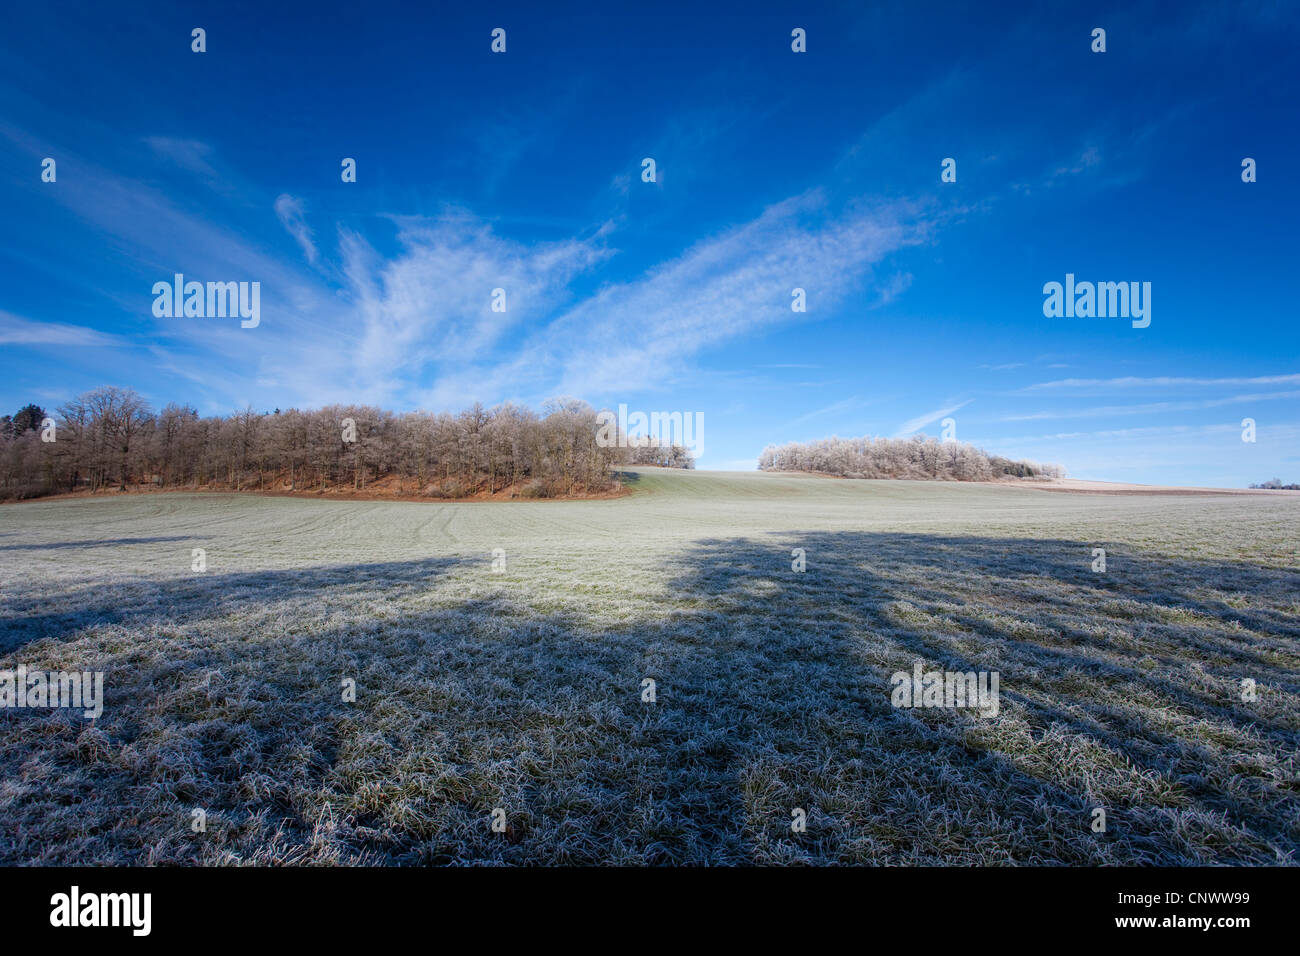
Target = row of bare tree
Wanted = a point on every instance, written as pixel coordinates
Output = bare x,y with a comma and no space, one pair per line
652,451
111,439
917,457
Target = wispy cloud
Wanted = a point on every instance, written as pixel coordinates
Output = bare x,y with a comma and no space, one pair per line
730,285
15,330
415,325
913,424
1149,431
1162,382
637,334
845,405
188,154
1189,406
290,212
427,312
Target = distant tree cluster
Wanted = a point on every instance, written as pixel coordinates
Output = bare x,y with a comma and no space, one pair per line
111,439
27,419
917,457
1275,484
651,451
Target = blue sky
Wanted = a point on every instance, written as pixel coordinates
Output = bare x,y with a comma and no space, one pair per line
776,170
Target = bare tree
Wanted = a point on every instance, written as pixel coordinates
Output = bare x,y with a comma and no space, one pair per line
109,437
916,457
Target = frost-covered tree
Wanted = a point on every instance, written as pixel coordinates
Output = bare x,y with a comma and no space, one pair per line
917,457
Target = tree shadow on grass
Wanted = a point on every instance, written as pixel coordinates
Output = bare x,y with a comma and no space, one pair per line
153,603
1120,689
224,692
94,543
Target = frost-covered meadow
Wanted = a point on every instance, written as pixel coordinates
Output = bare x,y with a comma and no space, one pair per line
521,688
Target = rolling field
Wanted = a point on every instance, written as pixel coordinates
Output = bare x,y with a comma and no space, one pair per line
521,689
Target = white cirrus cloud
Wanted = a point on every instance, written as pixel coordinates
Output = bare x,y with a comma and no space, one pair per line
1189,406
913,424
15,330
289,210
635,334
1162,382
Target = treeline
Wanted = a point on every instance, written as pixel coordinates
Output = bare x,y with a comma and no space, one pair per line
917,457
1275,484
111,439
28,418
650,451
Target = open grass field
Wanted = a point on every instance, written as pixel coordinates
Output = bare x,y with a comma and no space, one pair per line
521,689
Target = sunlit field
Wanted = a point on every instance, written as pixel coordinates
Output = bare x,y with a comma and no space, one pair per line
520,688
